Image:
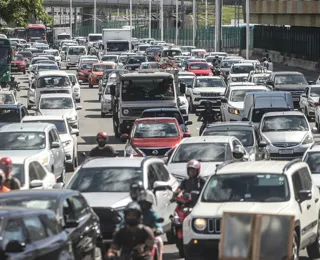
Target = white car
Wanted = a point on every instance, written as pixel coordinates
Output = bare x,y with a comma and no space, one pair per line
312,158
240,72
31,173
31,96
106,98
57,105
270,187
56,55
76,94
8,97
68,136
209,150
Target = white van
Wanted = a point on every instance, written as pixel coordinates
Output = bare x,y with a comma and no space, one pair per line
50,82
93,38
73,55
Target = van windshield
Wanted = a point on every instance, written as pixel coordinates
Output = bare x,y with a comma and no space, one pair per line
53,81
77,51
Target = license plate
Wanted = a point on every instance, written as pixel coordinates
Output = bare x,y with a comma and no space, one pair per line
287,151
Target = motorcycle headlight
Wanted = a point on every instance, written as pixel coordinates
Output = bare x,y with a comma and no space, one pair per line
68,59
185,210
233,110
308,140
130,151
200,224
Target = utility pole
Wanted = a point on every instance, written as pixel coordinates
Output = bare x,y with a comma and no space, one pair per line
218,25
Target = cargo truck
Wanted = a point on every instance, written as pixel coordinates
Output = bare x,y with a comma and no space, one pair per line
116,41
61,33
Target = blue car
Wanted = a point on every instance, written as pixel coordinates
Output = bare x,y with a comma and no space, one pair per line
12,113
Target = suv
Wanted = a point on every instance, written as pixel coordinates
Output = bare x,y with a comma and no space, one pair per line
256,187
312,158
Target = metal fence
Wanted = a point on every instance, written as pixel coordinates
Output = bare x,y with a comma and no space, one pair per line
205,37
300,42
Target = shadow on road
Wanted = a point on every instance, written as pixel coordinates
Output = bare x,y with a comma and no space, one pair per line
93,116
92,140
91,101
94,109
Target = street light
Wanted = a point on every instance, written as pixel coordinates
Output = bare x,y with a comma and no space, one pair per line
177,21
95,16
149,18
194,23
130,22
161,18
70,16
247,29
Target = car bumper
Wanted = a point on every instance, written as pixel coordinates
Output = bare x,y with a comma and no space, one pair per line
201,249
199,102
232,117
288,153
72,64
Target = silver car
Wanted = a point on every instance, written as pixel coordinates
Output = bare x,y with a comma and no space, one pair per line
288,134
39,140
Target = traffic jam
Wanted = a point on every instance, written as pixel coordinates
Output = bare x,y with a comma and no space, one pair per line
184,135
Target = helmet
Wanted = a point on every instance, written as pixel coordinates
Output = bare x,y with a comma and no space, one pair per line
195,166
6,165
102,138
208,104
135,190
12,78
217,57
238,153
147,196
135,208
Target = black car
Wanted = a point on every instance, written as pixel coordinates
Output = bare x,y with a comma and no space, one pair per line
246,132
73,213
134,62
10,113
32,234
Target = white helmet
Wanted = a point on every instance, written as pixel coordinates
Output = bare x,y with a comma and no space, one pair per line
147,196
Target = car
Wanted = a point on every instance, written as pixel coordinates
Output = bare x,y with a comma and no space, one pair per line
259,77
84,71
240,71
72,212
46,62
50,57
270,187
56,55
287,133
35,60
97,72
18,64
312,158
153,136
134,62
209,150
106,102
101,178
38,67
67,136
8,97
33,234
247,134
110,58
226,64
12,113
309,100
149,65
40,140
88,57
31,173
233,101
168,112
27,55
199,68
76,94
59,104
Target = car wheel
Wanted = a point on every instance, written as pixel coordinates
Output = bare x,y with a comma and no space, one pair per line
78,100
314,249
103,115
24,72
295,248
90,85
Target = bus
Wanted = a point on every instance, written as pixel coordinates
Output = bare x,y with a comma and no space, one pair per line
35,32
5,61
20,33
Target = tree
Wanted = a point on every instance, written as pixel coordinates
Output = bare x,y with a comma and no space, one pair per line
19,12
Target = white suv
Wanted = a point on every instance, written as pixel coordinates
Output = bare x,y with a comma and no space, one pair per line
272,187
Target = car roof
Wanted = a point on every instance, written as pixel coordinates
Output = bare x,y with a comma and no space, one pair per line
280,113
11,105
6,212
287,73
207,139
156,119
42,118
25,127
248,87
242,64
209,77
242,84
113,162
48,73
56,95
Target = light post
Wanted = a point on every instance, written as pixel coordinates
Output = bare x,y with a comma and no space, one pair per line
95,16
247,29
70,16
149,18
177,21
161,18
194,23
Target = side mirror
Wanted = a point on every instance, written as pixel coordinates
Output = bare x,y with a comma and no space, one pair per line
194,196
224,100
304,195
245,119
310,82
124,137
304,95
188,123
33,108
186,134
36,184
314,130
113,90
15,246
74,131
55,145
78,107
182,88
58,186
71,223
262,144
73,83
161,186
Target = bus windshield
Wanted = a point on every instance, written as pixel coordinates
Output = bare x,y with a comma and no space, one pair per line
4,55
36,32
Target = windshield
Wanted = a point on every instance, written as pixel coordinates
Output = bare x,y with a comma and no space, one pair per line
258,113
86,66
6,98
76,51
30,202
18,58
315,92
9,115
56,103
313,160
141,89
54,81
72,78
60,124
107,179
63,37
260,79
37,51
22,140
18,172
173,114
103,67
118,46
226,64
94,38
238,95
284,123
53,52
4,56
290,79
136,60
209,83
244,134
198,66
40,68
36,32
246,187
187,81
203,152
155,130
150,65
34,61
242,69
171,53
109,58
25,54
143,47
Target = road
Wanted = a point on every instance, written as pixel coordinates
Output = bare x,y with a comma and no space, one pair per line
91,123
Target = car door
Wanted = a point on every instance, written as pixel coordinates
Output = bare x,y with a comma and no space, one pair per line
33,173
13,229
48,181
56,152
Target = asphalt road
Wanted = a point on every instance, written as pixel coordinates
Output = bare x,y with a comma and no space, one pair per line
91,123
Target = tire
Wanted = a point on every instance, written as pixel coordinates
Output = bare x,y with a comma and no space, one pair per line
90,85
295,249
24,72
314,249
67,67
170,237
103,115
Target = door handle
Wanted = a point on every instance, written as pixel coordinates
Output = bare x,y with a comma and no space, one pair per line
316,200
308,206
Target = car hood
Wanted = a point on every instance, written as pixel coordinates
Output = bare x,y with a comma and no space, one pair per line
290,137
107,199
6,123
210,89
58,112
20,153
155,142
238,105
217,209
239,75
207,168
290,87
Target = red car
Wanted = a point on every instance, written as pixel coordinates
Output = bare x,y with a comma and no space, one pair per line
18,64
199,68
84,71
154,136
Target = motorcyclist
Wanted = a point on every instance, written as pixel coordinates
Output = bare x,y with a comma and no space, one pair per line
208,116
13,84
134,239
193,183
103,149
10,182
238,154
216,61
3,188
135,190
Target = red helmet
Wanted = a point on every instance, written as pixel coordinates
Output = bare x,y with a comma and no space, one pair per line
102,135
195,165
6,164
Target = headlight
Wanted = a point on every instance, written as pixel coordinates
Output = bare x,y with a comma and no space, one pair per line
44,160
196,93
125,111
66,143
130,151
233,79
68,59
308,140
200,224
72,118
221,94
234,111
176,219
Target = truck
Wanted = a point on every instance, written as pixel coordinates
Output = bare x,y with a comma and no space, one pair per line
116,41
134,92
61,33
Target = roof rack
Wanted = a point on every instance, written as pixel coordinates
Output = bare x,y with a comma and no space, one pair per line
220,166
289,164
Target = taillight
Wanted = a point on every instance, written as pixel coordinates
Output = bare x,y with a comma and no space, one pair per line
316,103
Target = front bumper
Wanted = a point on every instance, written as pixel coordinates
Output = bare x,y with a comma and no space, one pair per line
18,68
72,64
288,153
202,249
199,102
